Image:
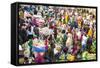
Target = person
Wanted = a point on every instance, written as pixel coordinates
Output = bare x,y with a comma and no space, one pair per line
79,21
38,50
69,42
84,42
36,31
23,34
66,17
90,32
52,46
89,43
55,32
64,37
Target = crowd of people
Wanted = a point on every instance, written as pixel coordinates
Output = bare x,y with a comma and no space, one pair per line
56,34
